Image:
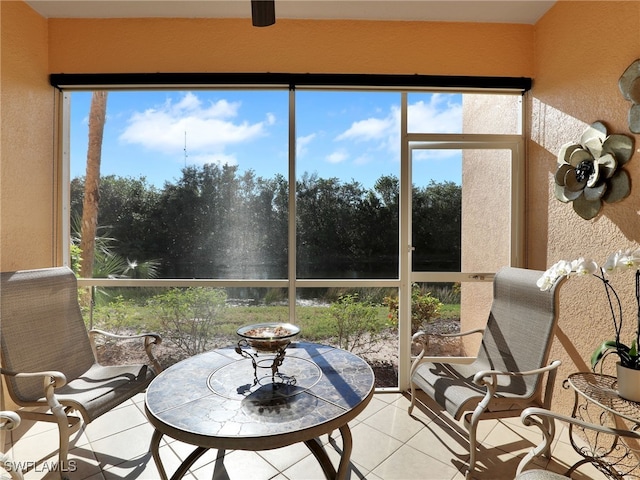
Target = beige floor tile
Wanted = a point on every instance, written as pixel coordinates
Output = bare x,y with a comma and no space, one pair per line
30,427
395,422
183,450
512,438
142,468
283,458
438,442
373,476
390,397
409,463
494,463
388,444
236,465
563,456
402,400
308,469
43,448
117,420
97,476
371,446
375,405
130,445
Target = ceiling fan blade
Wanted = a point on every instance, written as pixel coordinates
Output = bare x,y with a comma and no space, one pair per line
263,12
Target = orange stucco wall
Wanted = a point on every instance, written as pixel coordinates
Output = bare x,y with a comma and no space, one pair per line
575,55
580,51
27,166
233,45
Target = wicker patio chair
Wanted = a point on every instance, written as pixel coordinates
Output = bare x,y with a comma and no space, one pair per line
48,357
508,374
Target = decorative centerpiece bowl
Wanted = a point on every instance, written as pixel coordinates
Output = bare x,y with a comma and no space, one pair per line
268,337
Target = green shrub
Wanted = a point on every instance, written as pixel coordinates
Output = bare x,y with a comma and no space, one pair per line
76,258
356,323
424,308
118,316
187,316
448,293
275,295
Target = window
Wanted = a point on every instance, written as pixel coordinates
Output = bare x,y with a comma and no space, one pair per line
300,203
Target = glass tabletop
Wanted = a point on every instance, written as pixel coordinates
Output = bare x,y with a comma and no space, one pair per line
213,399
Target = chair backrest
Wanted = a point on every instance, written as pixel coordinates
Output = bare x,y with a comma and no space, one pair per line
520,327
41,328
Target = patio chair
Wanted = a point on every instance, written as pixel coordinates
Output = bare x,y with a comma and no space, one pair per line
49,358
9,421
508,374
607,437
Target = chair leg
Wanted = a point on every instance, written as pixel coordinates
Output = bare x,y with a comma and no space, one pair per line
471,421
549,432
413,398
473,424
64,432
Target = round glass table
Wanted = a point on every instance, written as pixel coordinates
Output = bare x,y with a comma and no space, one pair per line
219,400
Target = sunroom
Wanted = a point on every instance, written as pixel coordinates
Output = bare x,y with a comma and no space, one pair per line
519,89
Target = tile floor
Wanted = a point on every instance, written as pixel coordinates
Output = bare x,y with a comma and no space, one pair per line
388,444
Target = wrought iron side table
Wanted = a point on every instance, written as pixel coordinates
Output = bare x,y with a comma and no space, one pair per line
597,402
216,400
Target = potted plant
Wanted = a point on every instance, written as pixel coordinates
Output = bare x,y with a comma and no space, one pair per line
629,359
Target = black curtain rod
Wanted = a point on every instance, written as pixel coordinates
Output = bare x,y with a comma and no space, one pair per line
108,80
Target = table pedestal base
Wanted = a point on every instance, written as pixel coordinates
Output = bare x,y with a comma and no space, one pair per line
315,445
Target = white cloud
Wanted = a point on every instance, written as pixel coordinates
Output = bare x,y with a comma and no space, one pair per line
338,156
369,129
435,155
362,160
439,115
208,128
302,144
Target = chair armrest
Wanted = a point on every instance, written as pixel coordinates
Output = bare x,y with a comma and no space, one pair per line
155,336
487,379
481,377
541,418
9,420
421,337
57,379
50,381
150,339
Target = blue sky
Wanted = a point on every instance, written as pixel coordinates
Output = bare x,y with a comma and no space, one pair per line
349,135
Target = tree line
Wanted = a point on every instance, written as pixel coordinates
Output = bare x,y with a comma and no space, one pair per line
218,222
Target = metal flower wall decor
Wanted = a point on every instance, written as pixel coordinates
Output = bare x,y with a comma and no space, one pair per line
629,84
589,172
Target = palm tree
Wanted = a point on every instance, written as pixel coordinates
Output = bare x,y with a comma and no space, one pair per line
97,119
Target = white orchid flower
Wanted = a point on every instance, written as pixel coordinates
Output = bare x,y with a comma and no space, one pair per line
546,281
611,264
549,278
628,259
543,282
584,266
562,268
